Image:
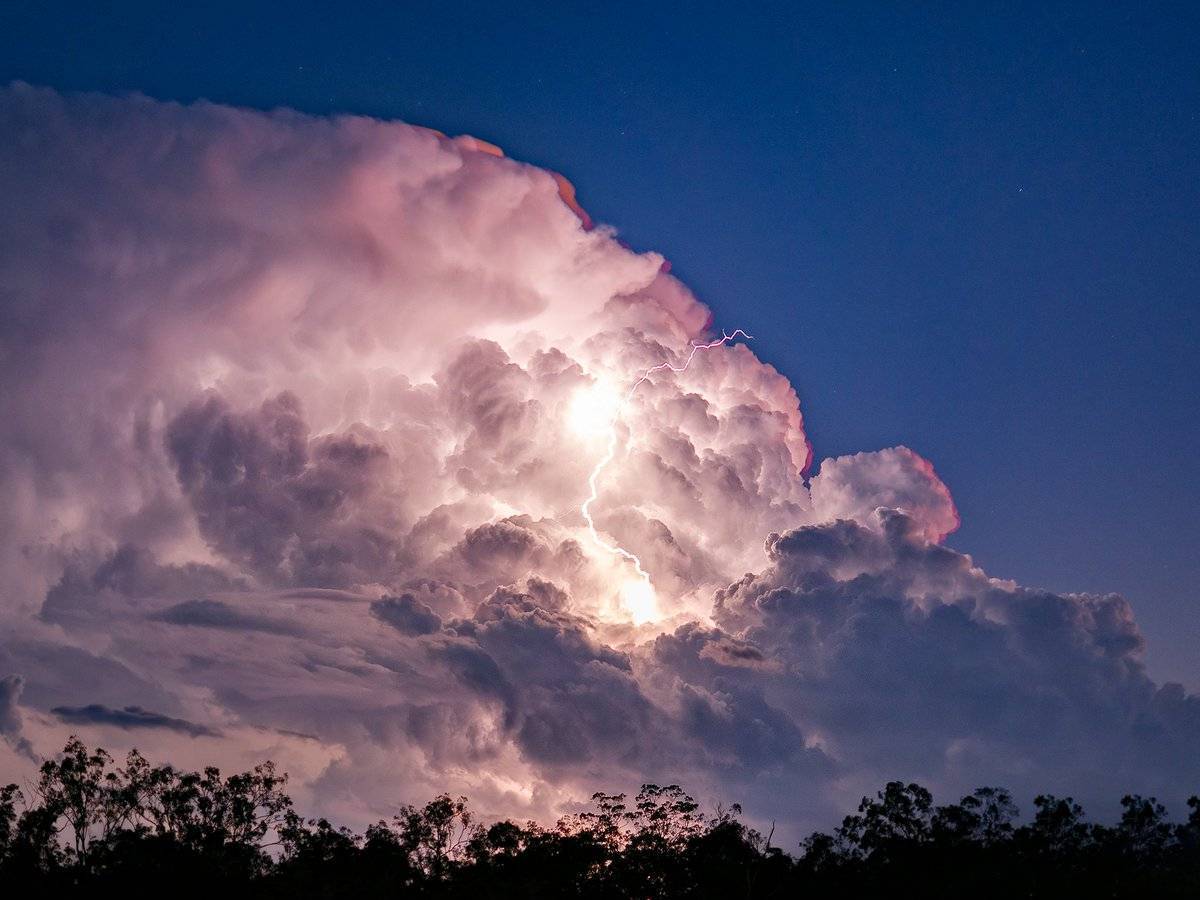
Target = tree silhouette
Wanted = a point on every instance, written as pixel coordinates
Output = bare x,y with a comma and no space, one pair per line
88,825
984,817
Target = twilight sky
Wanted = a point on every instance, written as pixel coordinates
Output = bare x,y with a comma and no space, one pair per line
299,410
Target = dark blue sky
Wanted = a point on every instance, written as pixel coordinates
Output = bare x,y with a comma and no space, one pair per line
975,233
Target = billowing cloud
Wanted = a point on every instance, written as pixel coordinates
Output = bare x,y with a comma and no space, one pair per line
297,420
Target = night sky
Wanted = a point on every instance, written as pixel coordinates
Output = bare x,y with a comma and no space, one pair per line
972,232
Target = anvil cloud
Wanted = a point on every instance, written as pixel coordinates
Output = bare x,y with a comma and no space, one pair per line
292,467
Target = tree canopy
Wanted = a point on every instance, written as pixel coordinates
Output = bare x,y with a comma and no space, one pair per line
91,824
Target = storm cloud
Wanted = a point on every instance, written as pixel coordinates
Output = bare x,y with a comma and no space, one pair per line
296,426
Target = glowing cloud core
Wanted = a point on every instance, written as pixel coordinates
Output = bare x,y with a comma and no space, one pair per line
595,410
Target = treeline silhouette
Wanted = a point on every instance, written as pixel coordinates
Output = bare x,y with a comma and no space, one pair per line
91,825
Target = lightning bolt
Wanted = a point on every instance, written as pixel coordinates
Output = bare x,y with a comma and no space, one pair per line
610,453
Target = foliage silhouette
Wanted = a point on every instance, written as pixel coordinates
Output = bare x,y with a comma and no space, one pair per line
88,825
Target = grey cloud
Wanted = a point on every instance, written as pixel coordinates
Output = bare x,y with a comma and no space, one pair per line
407,614
270,497
57,674
216,614
129,717
907,656
545,594
479,672
90,593
724,704
10,692
511,550
737,730
578,699
502,547
320,594
11,687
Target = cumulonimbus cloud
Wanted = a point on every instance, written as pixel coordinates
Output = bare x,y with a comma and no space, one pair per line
297,419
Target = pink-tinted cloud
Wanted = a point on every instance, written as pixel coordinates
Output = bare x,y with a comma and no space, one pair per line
297,419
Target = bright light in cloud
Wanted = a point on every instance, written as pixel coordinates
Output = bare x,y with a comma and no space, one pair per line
598,408
593,410
640,601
